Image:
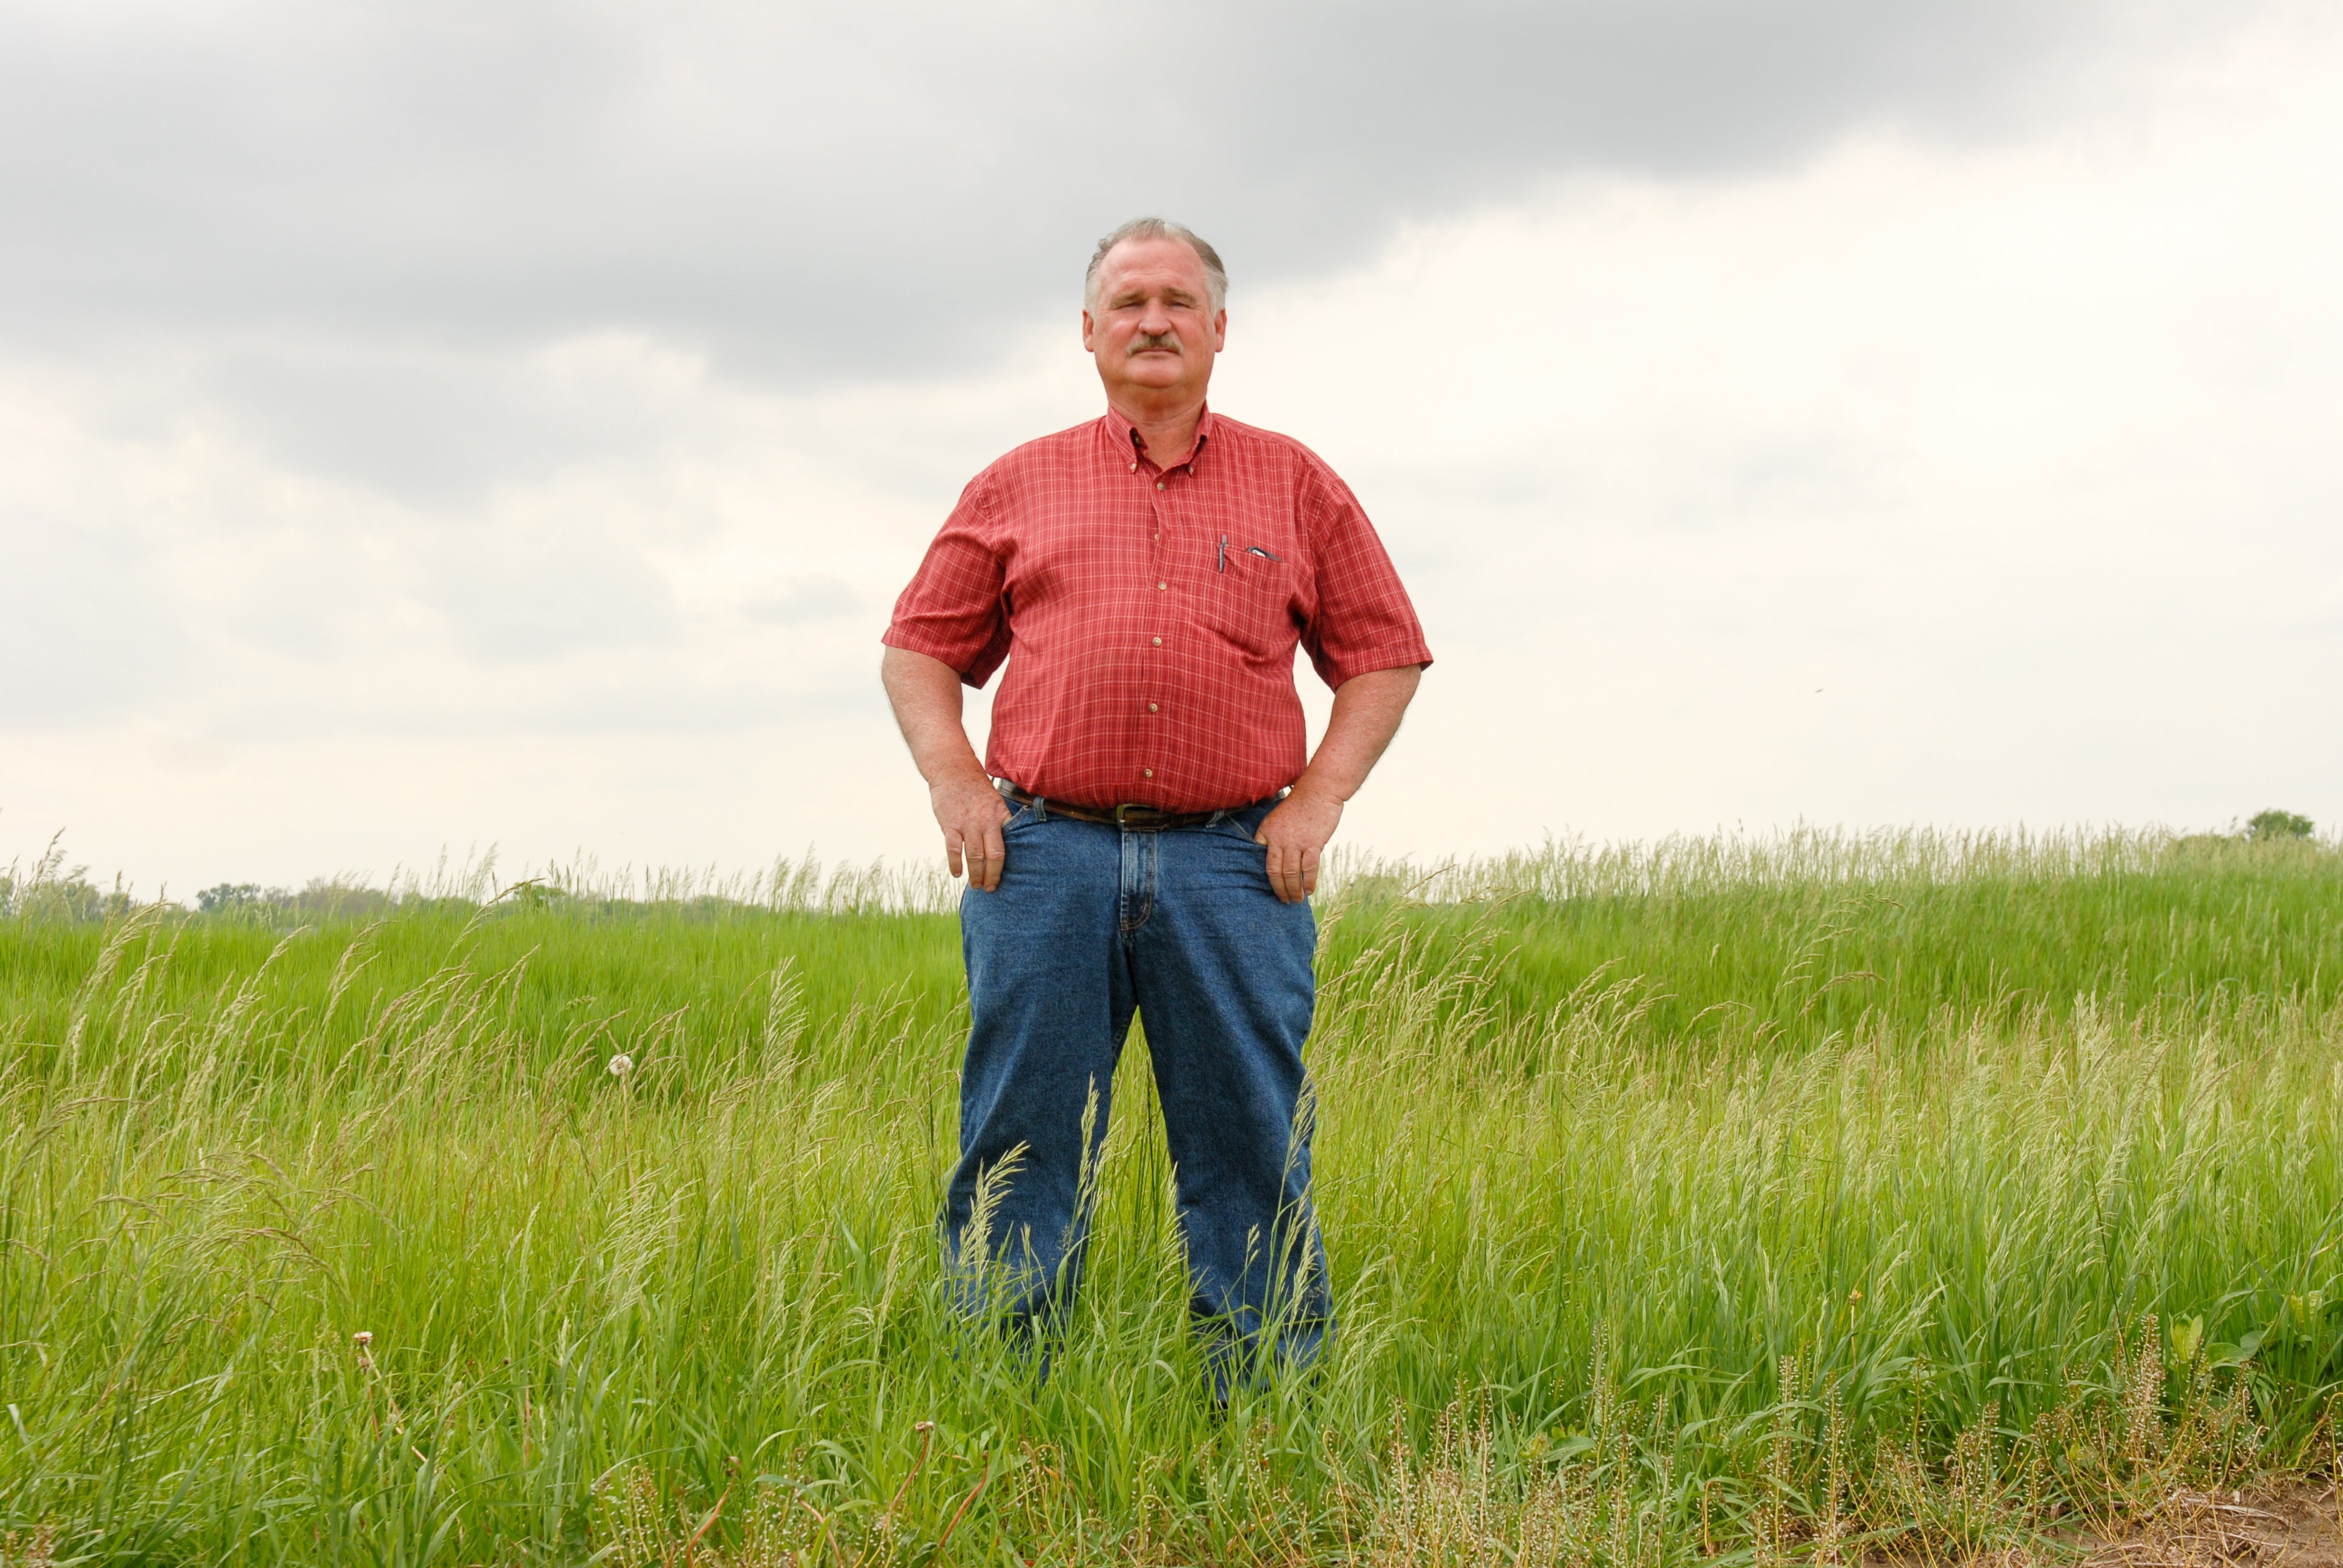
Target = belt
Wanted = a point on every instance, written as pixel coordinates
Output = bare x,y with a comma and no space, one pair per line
1130,818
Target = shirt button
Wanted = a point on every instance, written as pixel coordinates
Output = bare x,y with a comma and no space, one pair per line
1134,468
1151,708
1163,588
1159,483
1159,642
1147,772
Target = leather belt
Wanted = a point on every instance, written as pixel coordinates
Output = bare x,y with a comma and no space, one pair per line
1131,819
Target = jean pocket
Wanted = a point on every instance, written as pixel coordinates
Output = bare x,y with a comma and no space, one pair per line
1245,822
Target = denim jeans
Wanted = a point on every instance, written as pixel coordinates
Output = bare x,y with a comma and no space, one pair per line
1091,922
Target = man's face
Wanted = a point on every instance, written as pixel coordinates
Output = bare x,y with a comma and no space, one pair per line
1152,329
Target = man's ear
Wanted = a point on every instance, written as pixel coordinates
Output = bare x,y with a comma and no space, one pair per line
1219,330
1089,327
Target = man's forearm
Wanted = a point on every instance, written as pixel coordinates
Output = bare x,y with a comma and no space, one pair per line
925,695
1367,712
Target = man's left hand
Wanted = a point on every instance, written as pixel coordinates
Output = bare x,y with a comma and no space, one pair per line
1295,834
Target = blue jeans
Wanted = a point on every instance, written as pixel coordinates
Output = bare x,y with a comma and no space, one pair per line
1090,923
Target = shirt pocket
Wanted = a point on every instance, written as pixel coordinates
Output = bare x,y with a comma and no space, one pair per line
1249,600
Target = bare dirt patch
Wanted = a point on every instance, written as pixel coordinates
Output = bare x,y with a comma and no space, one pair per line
2299,1526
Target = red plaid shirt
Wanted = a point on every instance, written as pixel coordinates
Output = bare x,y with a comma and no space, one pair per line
1149,615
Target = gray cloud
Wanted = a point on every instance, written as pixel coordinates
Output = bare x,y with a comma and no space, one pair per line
873,190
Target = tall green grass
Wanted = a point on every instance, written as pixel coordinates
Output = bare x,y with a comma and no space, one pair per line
1715,1197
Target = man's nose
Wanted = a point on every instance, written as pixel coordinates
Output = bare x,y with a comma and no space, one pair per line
1155,318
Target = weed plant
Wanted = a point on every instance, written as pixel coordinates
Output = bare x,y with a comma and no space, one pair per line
1803,1198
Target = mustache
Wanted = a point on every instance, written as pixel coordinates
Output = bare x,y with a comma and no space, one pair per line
1141,342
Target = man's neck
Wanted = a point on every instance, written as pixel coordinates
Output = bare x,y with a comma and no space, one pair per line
1168,430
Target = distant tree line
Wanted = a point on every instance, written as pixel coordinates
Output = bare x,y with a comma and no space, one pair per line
2275,824
55,892
51,891
322,898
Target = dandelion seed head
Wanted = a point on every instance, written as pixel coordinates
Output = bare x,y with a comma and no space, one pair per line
621,1065
362,1338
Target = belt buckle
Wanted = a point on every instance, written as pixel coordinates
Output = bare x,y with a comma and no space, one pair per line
1124,822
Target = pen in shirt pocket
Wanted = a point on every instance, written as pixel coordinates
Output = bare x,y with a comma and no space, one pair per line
1221,563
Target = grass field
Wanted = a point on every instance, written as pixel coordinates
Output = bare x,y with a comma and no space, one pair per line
1740,1199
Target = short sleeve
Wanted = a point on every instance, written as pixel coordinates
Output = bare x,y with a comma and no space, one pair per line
1364,621
953,609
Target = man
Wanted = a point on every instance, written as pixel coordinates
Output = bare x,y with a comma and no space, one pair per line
1147,576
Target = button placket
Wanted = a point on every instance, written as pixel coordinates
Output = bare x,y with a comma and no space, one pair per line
1159,574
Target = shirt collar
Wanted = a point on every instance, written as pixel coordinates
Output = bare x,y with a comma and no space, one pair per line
1123,436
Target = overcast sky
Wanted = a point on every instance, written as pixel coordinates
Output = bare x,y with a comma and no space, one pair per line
445,425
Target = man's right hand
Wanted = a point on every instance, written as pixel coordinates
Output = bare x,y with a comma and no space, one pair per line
971,812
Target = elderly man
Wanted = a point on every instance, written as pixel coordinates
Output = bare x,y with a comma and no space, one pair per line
1143,833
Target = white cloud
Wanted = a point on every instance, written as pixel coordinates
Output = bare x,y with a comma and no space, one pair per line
2023,459
2021,454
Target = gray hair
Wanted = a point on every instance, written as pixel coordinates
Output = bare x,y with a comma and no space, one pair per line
1216,277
